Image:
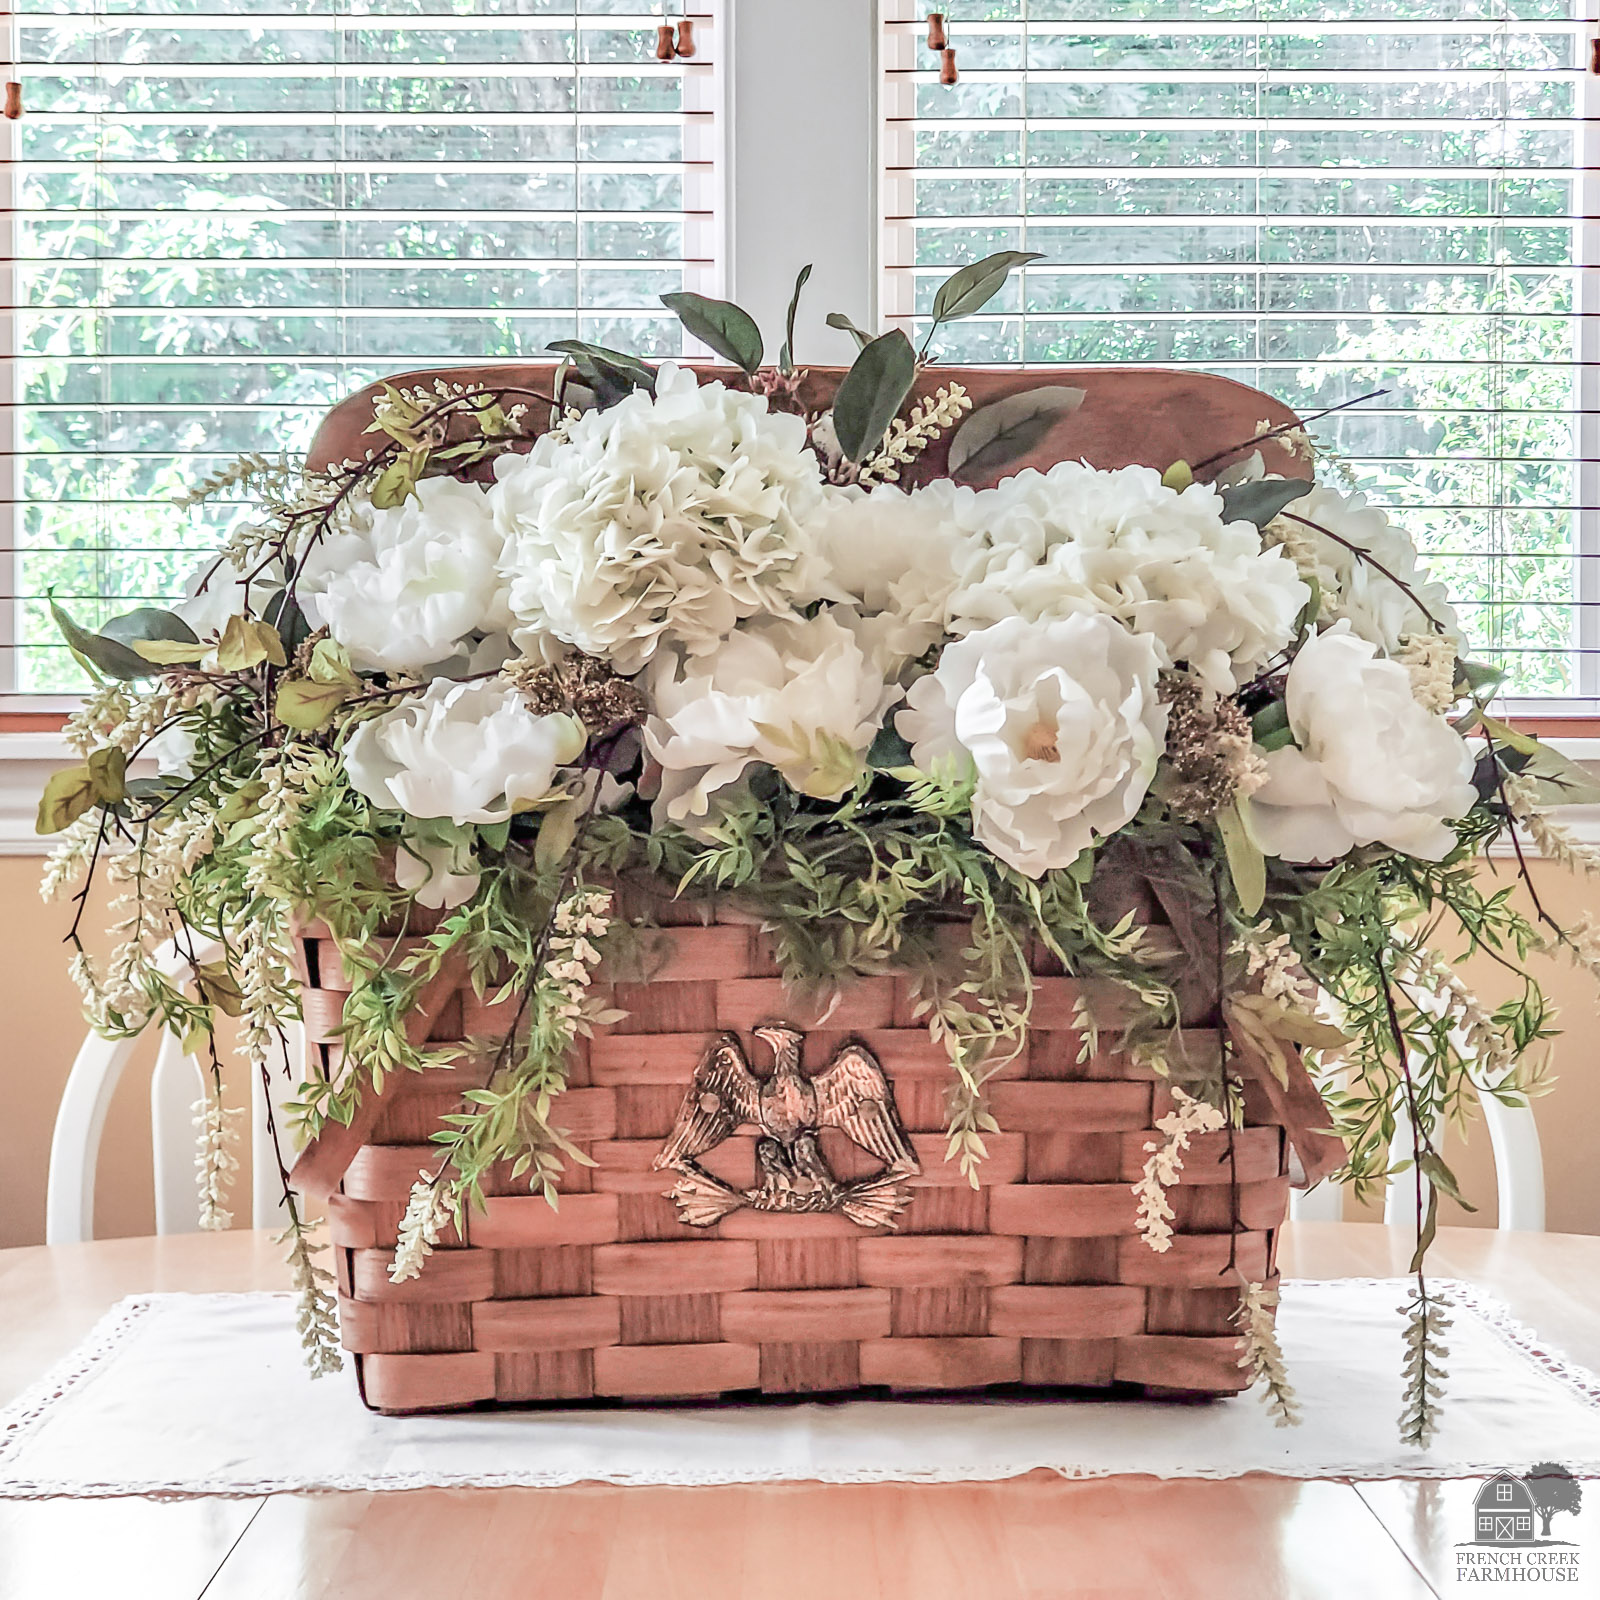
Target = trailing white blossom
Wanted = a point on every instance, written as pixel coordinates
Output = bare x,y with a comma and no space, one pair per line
1550,839
1164,1163
1437,990
907,439
69,859
1261,1356
427,1216
316,1310
1430,658
215,1161
577,926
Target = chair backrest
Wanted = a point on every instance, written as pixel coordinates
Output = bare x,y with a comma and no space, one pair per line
1518,1165
176,1083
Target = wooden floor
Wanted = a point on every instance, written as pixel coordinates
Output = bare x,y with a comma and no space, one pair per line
1033,1538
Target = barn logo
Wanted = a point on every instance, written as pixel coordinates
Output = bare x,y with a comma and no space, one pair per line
1512,1518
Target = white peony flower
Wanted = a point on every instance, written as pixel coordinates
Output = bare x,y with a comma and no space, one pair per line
659,521
467,751
403,588
433,875
1353,588
803,695
1078,540
1373,767
897,556
1061,722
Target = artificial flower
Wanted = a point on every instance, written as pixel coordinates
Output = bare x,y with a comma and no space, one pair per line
407,587
217,590
662,520
803,695
438,876
1164,562
1372,767
471,752
897,558
1367,570
1061,723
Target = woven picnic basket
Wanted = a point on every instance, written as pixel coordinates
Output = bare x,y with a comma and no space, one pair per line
1037,1277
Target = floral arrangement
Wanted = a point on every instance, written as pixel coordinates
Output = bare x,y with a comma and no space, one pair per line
535,646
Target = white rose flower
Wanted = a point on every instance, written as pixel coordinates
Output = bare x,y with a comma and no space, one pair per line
1061,722
403,588
1078,540
466,751
1373,767
897,556
659,521
803,695
1354,590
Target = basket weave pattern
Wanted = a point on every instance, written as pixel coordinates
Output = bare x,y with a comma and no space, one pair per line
1038,1277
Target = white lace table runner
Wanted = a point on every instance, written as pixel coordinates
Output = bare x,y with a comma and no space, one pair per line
205,1395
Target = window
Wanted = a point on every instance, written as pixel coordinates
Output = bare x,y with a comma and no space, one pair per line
1502,1492
1321,198
228,213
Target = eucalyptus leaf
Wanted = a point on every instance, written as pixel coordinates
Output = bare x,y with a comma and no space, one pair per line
67,795
170,652
1476,676
837,319
306,705
611,374
786,351
974,286
729,329
889,751
246,643
110,654
872,393
1261,501
1001,432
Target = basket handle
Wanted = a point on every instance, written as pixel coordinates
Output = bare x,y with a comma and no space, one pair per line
320,1167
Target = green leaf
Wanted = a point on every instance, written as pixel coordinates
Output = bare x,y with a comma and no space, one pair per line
1178,476
1479,675
99,781
67,795
170,652
1559,780
1261,501
557,829
997,434
1427,1231
872,393
837,319
786,351
397,480
1246,864
111,650
1442,1178
973,287
889,750
612,373
217,988
306,705
247,643
727,328
1270,726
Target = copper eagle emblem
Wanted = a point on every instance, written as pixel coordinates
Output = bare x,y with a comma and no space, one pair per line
788,1110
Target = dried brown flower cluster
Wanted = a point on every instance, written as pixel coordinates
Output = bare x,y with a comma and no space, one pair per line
1211,749
583,685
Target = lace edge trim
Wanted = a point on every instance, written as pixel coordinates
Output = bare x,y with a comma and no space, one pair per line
24,1415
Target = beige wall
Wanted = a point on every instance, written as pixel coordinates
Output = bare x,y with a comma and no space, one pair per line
40,1031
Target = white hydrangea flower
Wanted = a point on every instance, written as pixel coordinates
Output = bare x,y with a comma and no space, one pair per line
802,694
1372,767
1354,590
466,751
897,556
405,588
1061,722
1077,540
660,521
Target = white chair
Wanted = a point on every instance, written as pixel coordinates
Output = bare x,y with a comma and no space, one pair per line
176,1083
1518,1169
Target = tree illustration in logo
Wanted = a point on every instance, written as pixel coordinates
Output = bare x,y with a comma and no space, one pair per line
1553,1489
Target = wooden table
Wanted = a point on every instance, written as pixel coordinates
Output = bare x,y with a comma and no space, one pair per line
1032,1538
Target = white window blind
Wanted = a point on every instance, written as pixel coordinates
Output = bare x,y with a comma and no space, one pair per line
1320,198
226,214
